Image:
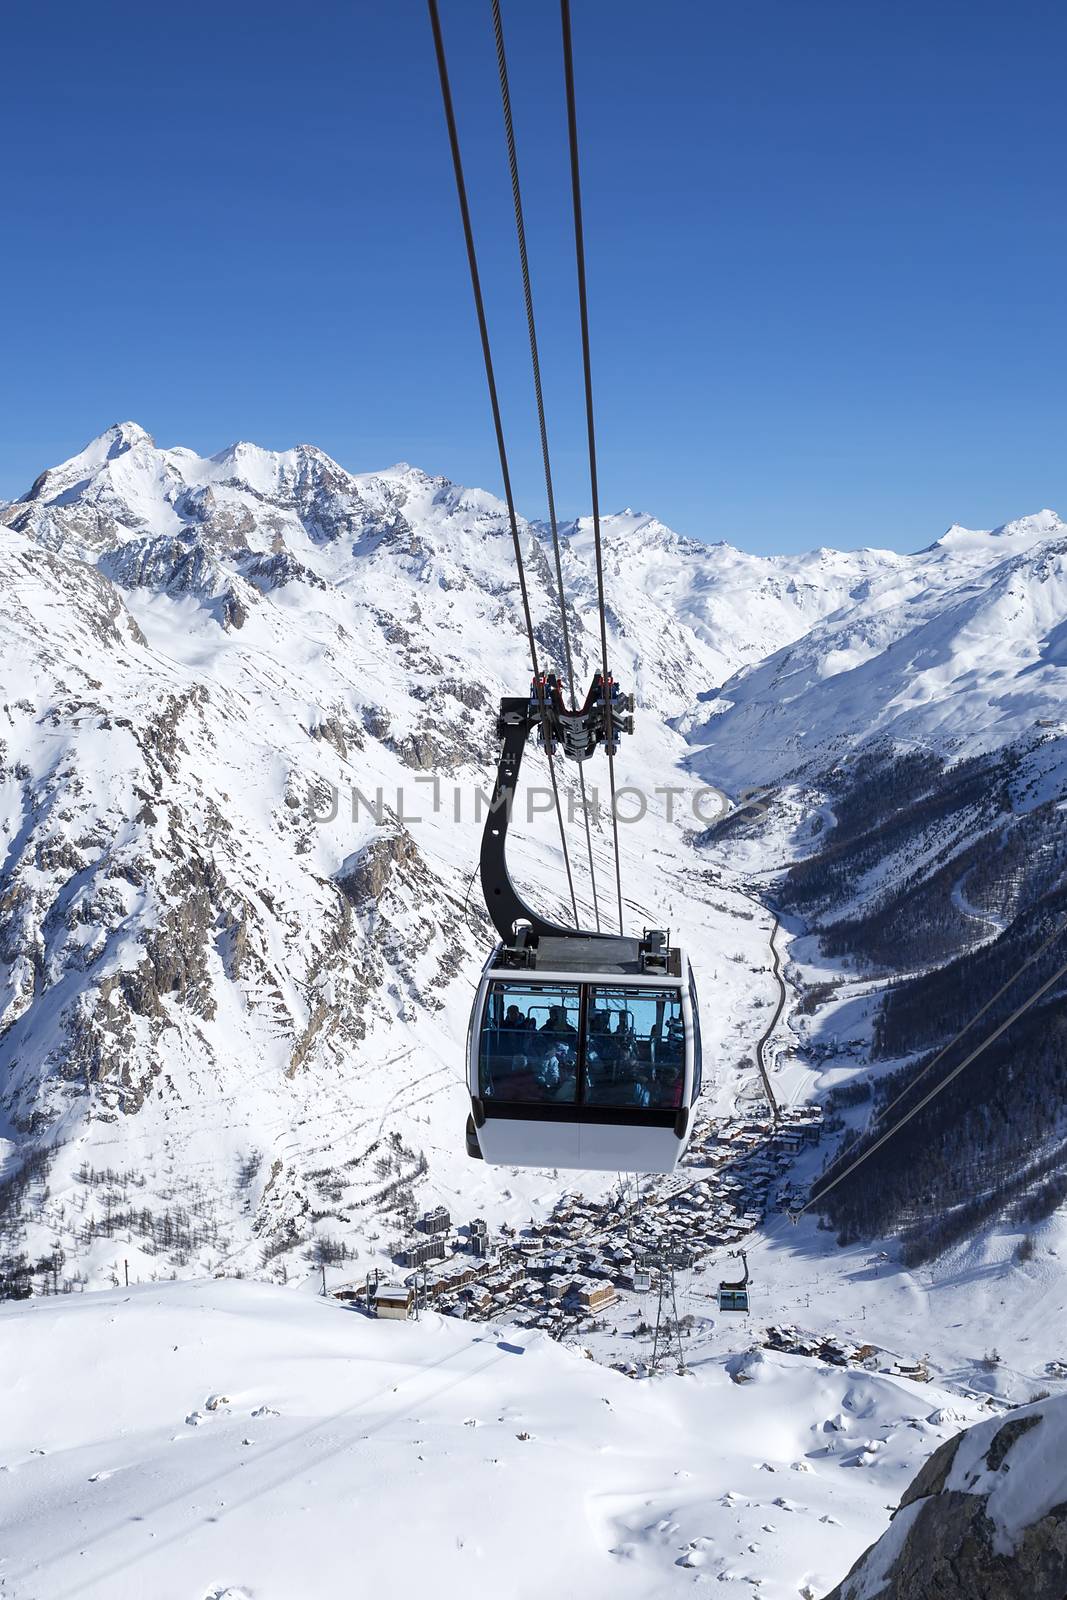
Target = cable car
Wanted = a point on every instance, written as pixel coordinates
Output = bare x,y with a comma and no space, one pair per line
733,1295
584,1049
585,1056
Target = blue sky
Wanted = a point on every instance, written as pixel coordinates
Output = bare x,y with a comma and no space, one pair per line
825,247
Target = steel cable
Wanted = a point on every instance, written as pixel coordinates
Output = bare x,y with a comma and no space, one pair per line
483,330
825,1189
583,307
1035,955
535,360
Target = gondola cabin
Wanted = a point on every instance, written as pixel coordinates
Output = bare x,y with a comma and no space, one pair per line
733,1299
733,1293
584,1052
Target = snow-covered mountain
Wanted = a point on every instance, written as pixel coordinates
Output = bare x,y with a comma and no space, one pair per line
237,1008
240,1442
741,607
246,702
199,656
960,648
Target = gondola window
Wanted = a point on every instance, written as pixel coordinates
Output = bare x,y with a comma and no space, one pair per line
529,1047
634,1051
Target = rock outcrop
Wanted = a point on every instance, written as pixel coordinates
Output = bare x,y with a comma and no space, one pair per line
985,1519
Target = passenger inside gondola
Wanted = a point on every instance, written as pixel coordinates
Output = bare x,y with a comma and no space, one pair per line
558,1025
634,1048
631,1055
528,1048
514,1031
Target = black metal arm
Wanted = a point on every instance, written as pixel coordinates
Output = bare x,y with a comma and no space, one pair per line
503,901
579,733
739,1283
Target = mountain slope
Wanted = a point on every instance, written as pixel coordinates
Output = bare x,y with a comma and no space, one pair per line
961,648
203,657
237,1028
986,1518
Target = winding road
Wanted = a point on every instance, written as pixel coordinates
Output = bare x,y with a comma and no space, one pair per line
769,1029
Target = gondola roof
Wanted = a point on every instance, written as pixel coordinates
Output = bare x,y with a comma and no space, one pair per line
613,956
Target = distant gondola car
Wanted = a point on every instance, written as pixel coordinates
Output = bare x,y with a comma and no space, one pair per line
733,1294
587,1055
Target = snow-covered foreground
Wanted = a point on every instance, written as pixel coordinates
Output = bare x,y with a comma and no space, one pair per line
240,1440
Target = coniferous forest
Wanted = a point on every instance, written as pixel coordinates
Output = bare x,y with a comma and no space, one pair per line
951,882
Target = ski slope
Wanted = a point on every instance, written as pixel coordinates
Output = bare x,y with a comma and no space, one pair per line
201,1440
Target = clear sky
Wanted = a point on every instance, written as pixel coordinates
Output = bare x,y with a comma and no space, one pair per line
826,248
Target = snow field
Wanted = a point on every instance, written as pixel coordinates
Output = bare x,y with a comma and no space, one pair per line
235,1438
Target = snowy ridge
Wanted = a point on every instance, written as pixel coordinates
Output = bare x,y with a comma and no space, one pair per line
963,649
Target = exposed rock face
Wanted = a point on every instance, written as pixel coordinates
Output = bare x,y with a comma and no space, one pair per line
985,1519
363,879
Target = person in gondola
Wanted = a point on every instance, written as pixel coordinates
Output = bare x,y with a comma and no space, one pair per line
607,1047
511,1038
565,1090
669,1086
623,1031
558,1025
624,1046
671,1051
514,1018
602,1062
548,1075
603,1044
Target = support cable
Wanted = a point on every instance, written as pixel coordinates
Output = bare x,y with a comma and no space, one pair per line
520,230
814,1200
991,1038
583,307
1035,955
483,330
776,1231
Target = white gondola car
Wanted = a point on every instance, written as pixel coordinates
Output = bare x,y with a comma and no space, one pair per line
584,1052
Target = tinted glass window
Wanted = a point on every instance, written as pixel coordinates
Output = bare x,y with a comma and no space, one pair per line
529,1045
634,1047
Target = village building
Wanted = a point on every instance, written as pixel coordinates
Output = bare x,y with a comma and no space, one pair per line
419,1251
435,1221
394,1300
596,1297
